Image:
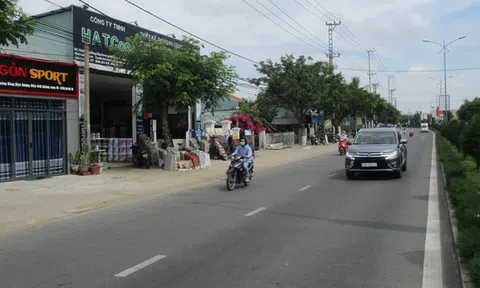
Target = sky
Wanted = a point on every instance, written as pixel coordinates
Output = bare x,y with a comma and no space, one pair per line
395,29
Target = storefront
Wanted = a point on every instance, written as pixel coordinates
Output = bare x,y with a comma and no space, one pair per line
59,36
34,96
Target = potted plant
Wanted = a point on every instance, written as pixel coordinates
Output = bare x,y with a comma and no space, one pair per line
96,166
74,161
84,163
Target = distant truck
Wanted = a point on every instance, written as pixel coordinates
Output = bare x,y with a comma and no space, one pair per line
424,127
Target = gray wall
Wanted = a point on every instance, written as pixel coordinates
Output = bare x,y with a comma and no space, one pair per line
51,40
73,126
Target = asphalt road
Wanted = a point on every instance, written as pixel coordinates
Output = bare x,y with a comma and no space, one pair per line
300,225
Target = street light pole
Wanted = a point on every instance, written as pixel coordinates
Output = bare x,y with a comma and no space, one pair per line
445,78
444,50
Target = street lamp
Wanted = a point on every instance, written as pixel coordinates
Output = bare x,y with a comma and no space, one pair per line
444,50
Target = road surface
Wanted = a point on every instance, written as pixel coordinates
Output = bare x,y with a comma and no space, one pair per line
300,225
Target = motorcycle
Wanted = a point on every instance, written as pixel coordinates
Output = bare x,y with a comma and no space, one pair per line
236,173
140,156
411,133
314,140
343,146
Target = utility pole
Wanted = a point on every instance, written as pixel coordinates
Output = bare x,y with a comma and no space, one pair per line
370,74
330,55
331,26
391,90
375,86
86,113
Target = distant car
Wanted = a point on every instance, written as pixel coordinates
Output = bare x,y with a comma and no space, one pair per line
377,150
424,128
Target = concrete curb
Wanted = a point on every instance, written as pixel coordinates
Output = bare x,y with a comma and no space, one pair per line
465,279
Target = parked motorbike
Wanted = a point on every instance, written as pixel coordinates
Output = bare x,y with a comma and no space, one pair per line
236,173
314,140
343,146
140,156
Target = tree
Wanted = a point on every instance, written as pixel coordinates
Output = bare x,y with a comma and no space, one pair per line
472,143
293,84
177,76
333,99
469,109
266,109
386,112
15,25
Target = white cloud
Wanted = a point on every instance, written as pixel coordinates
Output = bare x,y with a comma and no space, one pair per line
395,28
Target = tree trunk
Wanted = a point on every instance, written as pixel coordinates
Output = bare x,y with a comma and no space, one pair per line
167,135
303,138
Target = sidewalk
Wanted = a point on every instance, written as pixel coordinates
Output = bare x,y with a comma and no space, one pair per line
27,203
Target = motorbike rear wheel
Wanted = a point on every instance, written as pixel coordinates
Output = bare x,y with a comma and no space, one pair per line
231,181
342,151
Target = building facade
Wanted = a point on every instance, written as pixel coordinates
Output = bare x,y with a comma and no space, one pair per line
59,43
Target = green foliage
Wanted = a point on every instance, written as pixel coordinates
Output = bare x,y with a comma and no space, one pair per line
463,189
15,25
303,85
471,143
469,109
414,119
293,83
175,76
267,110
474,268
74,159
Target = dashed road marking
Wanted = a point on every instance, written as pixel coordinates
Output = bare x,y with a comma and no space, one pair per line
255,211
304,188
142,265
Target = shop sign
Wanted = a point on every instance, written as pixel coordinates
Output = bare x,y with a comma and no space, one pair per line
22,75
102,32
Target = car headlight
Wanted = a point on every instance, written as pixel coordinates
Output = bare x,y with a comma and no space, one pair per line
350,155
390,154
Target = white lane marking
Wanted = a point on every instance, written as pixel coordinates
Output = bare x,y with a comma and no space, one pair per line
142,265
255,211
305,188
432,261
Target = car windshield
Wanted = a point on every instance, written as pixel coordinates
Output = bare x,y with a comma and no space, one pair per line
375,137
424,125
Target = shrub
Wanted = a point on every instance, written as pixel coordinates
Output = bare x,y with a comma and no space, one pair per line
472,139
464,191
474,268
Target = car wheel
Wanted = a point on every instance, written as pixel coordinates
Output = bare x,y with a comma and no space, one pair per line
350,175
397,174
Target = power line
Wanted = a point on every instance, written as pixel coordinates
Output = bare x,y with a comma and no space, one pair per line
283,28
179,28
344,28
296,22
53,3
289,25
408,71
323,19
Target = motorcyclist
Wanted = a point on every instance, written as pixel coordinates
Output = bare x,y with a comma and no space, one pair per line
245,151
